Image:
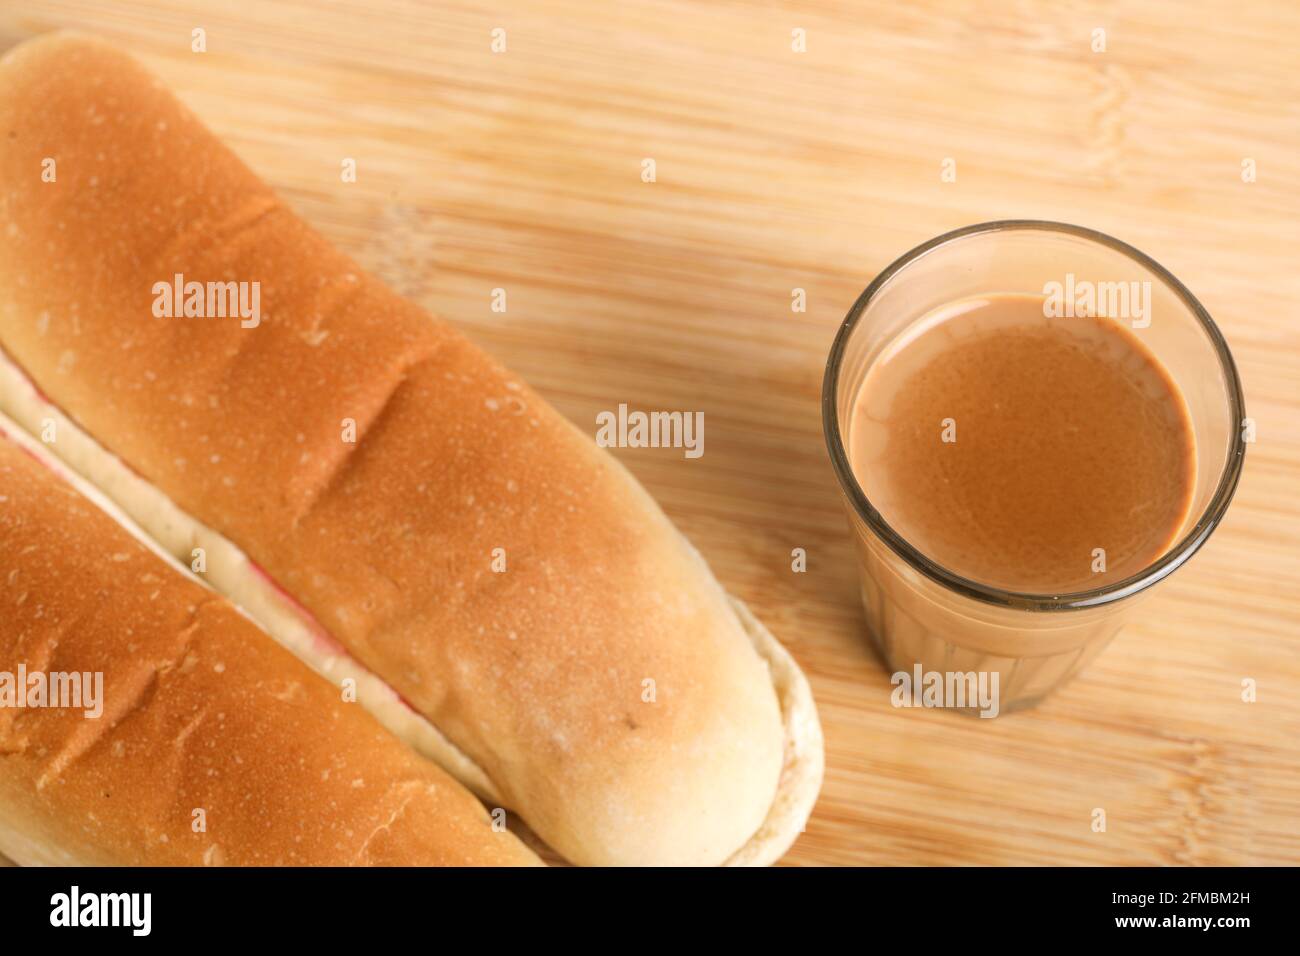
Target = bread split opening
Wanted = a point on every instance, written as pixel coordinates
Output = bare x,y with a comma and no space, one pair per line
181,540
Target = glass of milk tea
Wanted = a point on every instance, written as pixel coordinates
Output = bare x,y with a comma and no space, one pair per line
1032,424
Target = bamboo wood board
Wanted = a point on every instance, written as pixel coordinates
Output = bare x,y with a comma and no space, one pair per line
778,170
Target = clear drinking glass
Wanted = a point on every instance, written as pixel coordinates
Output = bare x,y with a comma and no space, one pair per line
921,613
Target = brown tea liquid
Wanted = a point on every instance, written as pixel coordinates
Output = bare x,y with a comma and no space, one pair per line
1037,454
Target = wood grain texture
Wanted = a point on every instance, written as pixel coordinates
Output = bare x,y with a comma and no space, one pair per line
778,170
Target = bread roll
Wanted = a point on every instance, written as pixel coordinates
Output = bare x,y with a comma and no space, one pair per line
369,463
213,745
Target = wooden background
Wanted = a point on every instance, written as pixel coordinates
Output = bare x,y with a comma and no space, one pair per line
776,170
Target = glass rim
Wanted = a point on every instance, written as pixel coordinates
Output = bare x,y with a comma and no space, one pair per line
1173,558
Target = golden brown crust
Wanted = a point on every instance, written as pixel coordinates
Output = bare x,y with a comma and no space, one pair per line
603,682
201,712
